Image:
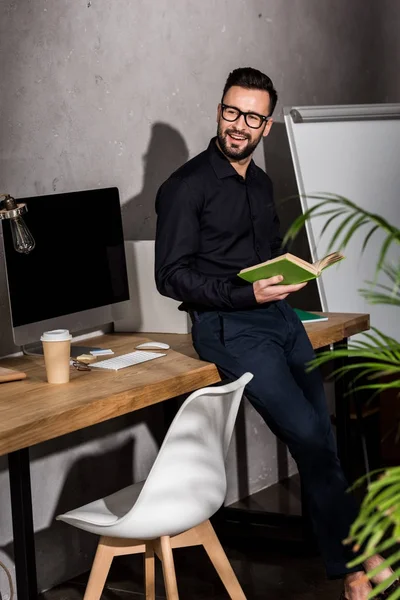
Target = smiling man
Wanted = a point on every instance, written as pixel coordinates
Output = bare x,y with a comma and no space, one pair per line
238,145
216,216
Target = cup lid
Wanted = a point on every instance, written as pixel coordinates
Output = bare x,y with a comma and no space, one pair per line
56,335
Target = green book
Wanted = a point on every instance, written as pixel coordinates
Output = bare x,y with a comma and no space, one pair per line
293,269
307,317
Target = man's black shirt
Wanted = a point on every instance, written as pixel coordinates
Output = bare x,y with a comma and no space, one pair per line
211,223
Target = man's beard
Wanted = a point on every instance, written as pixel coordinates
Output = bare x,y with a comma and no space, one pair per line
235,153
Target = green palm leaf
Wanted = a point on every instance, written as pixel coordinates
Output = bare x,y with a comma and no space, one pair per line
353,218
379,518
378,298
367,238
370,360
377,293
374,355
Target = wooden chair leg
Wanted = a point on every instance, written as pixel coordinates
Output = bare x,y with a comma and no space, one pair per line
150,575
164,552
98,574
220,561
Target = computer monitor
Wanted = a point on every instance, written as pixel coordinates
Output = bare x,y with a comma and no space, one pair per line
77,271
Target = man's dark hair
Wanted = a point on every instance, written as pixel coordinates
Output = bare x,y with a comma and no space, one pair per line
252,79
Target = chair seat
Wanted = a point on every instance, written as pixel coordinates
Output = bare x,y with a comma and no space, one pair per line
104,511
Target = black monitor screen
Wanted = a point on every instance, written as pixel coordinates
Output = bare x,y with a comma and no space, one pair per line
78,262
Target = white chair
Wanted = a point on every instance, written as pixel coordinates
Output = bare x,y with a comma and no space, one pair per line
172,508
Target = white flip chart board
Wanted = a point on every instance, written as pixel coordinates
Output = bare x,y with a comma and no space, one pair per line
352,151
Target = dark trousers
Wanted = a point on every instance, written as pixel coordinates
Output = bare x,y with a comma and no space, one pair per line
271,343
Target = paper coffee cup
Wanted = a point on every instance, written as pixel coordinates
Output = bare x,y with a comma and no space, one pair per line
57,350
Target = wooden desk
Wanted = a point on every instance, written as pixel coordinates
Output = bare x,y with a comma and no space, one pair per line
33,411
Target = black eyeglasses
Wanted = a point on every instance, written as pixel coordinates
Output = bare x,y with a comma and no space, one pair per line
253,120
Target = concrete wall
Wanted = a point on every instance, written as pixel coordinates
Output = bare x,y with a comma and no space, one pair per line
97,93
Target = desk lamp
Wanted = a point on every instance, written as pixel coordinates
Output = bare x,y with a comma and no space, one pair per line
22,238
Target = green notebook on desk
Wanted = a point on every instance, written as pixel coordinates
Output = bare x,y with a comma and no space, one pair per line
307,317
293,268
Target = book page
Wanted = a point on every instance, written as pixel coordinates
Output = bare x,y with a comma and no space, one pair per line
303,263
328,260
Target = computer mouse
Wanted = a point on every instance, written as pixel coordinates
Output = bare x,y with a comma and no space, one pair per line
148,345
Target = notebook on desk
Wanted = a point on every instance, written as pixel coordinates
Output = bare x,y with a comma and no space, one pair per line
308,317
10,375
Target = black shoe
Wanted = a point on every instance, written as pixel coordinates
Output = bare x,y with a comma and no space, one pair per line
383,595
386,593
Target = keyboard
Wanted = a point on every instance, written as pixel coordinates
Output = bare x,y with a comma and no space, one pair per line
126,360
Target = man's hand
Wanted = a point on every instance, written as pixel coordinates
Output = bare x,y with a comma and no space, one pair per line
267,290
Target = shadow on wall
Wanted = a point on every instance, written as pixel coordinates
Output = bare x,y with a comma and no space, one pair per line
167,151
279,166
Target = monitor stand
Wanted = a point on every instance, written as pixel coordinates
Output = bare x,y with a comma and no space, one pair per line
75,350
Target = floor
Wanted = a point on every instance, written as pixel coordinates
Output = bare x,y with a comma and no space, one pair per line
270,557
271,562
264,573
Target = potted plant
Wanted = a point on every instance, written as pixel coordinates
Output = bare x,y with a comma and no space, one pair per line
376,367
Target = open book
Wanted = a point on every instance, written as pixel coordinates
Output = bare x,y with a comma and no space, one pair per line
293,268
